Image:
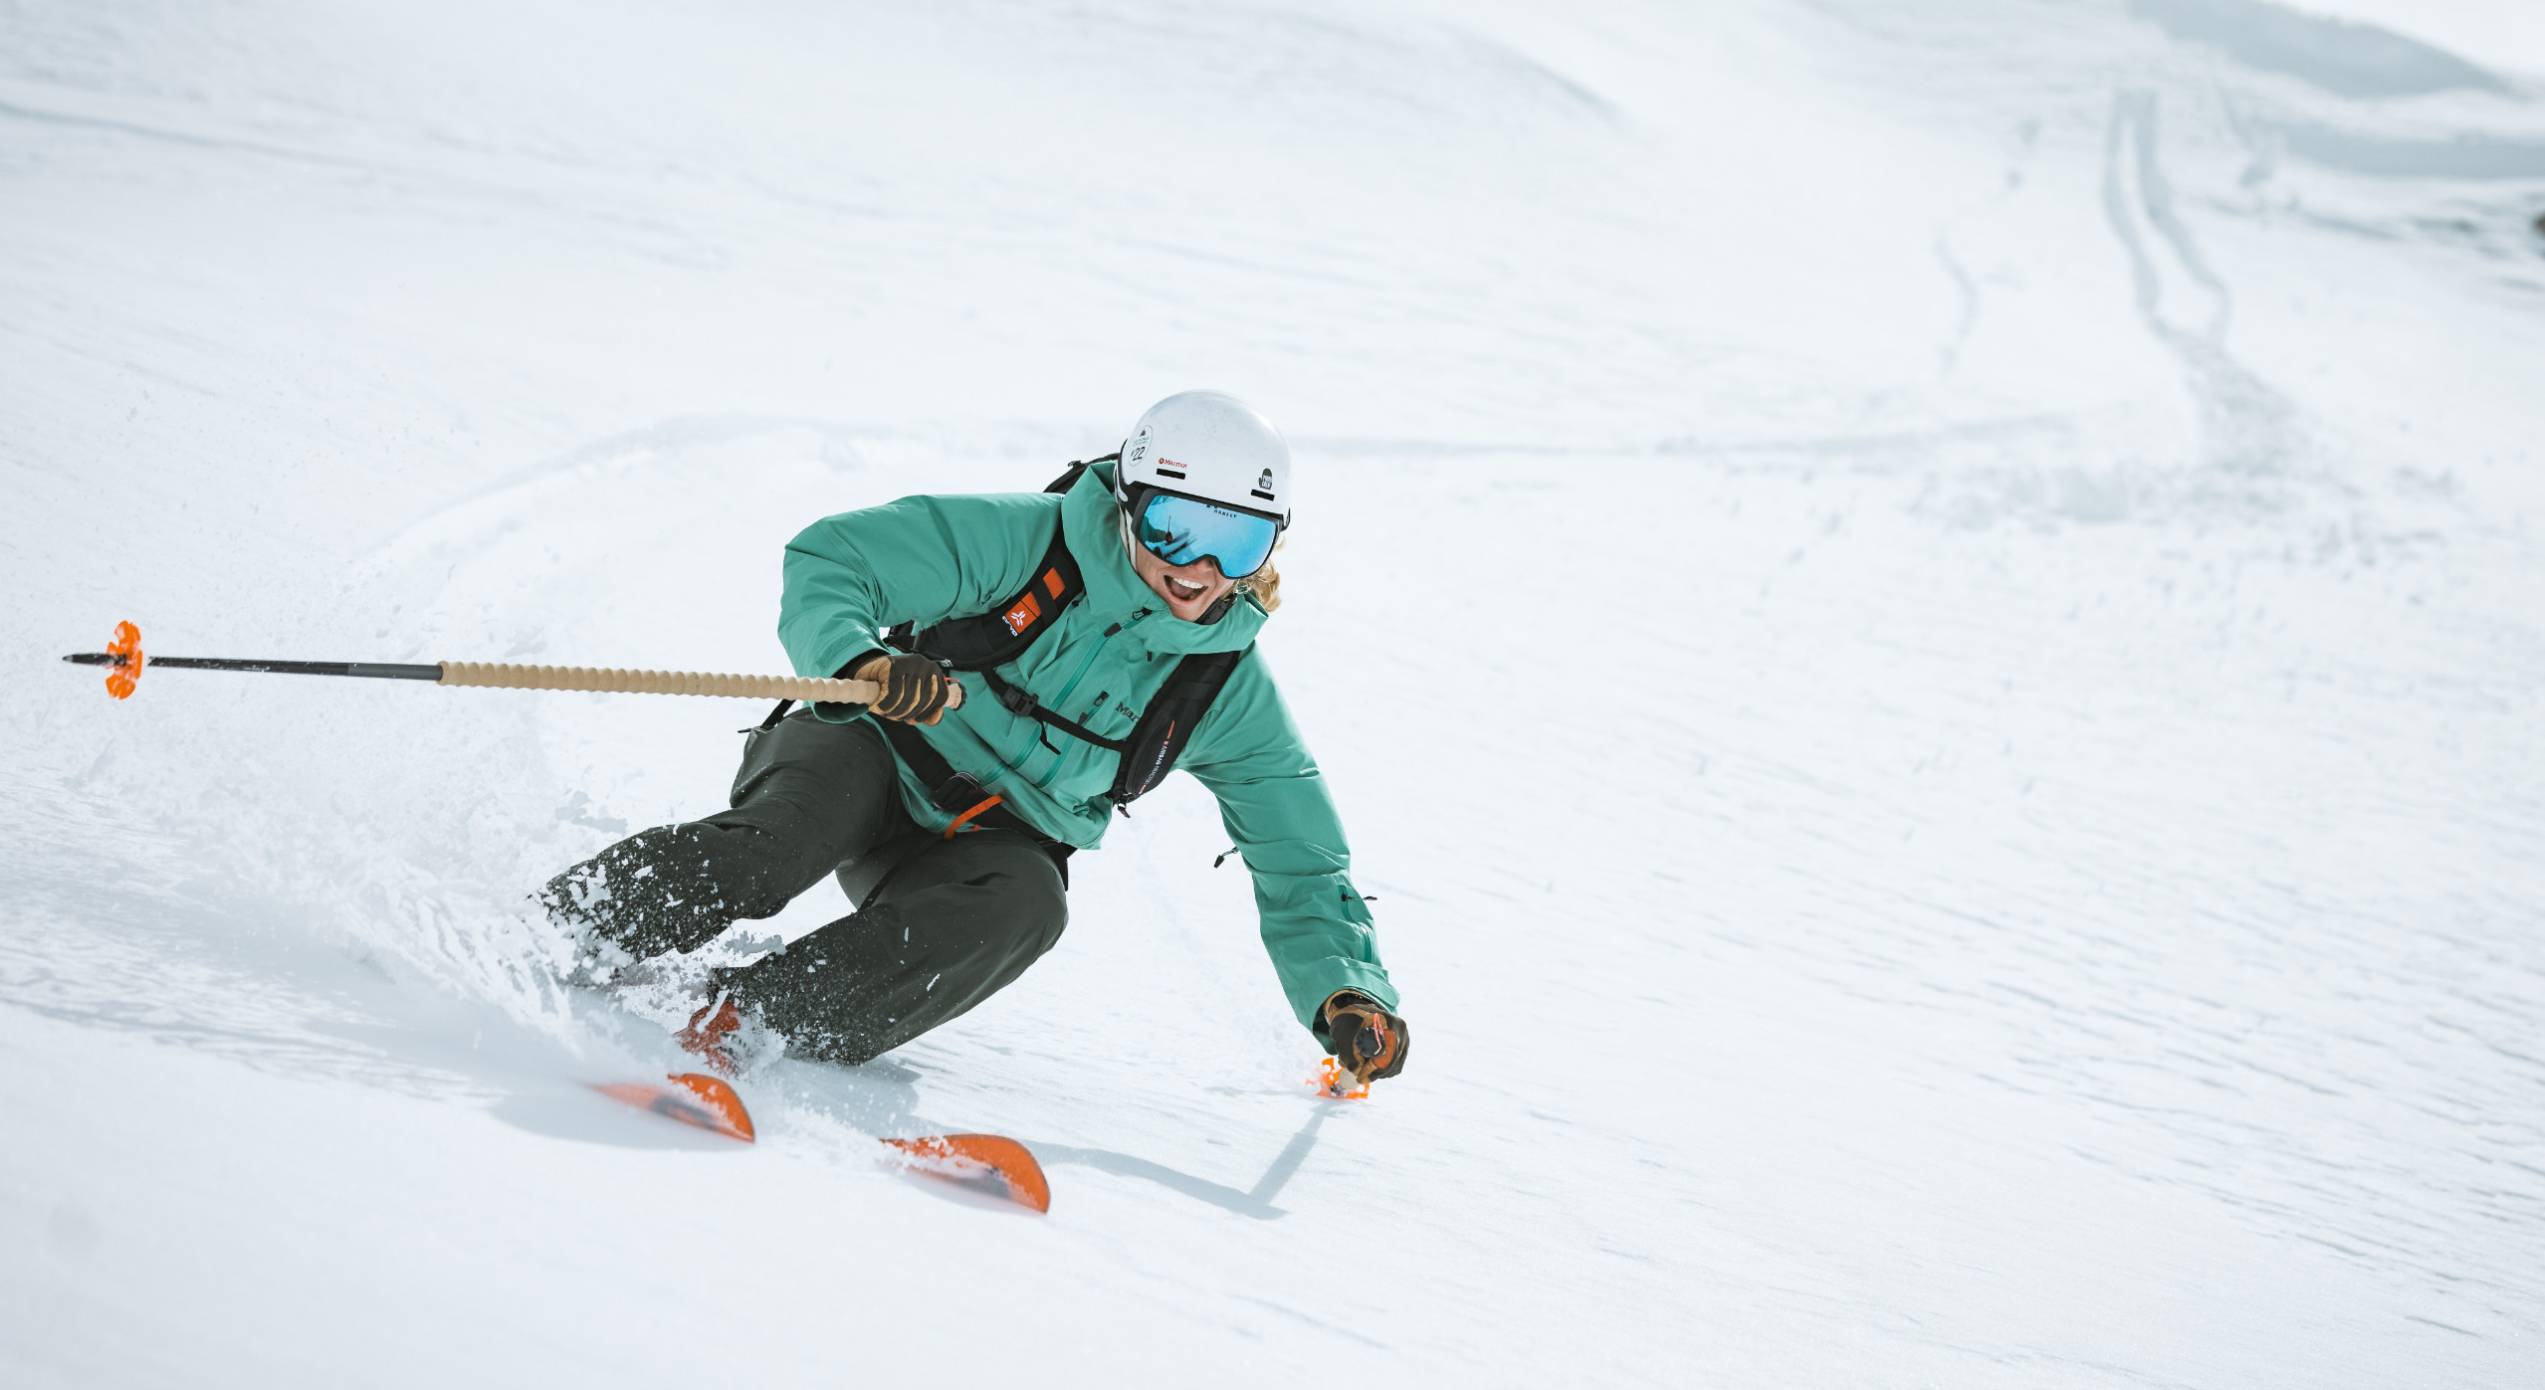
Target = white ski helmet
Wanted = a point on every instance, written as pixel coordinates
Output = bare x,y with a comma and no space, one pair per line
1210,445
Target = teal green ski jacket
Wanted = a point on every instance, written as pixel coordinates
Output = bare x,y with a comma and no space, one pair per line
924,559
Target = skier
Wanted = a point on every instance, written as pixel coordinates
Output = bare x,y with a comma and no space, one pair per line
1049,658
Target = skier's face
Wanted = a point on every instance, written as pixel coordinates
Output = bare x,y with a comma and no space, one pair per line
1189,590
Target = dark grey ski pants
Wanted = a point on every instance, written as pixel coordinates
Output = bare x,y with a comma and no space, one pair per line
940,924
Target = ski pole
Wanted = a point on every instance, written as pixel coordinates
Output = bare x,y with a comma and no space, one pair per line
123,658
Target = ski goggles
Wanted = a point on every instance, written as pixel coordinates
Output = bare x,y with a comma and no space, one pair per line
1181,530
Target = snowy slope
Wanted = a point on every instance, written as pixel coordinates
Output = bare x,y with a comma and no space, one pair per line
2047,894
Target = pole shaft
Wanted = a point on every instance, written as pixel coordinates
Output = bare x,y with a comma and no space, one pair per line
366,670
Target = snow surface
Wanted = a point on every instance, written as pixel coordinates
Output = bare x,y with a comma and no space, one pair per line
1928,619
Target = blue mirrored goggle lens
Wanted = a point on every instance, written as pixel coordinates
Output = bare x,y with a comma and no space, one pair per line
1181,530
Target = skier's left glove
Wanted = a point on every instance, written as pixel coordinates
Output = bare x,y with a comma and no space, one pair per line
1369,1041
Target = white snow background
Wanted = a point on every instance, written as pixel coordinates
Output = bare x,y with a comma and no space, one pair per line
1928,620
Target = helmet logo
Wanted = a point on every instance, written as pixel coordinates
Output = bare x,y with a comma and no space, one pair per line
1170,468
1264,483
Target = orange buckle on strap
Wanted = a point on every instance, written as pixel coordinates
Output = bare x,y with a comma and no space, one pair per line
961,820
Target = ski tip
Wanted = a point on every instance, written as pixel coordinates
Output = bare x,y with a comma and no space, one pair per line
974,1157
720,1099
693,1098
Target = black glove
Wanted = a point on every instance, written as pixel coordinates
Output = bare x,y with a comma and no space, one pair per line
916,689
1369,1041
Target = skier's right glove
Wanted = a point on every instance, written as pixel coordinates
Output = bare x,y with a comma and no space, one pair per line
916,689
1366,1040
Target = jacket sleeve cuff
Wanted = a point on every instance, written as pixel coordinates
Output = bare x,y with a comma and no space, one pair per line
1360,977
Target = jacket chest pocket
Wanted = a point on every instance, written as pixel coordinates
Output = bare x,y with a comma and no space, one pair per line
1105,696
1071,674
1097,675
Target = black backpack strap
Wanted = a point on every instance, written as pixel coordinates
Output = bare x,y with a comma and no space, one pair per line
1169,721
961,795
1002,634
1023,704
1069,476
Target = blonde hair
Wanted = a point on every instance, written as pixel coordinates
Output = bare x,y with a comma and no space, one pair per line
1264,585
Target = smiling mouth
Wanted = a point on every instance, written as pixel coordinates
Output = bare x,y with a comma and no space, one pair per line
1183,592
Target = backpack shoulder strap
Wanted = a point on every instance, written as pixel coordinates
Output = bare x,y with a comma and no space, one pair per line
1167,725
1002,634
1069,476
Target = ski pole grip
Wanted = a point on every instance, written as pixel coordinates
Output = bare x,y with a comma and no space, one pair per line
613,680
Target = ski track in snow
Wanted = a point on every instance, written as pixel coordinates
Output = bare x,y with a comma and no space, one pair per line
1926,622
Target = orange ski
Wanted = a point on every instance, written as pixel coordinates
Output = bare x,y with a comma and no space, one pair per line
710,1103
692,1098
975,1157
